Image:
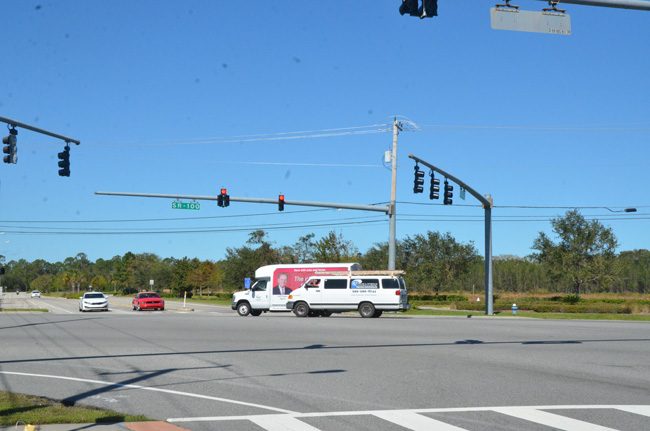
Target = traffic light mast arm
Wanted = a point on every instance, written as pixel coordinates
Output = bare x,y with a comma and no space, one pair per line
15,123
378,208
620,4
485,202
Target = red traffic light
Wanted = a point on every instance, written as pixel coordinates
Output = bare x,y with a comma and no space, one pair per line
224,191
280,202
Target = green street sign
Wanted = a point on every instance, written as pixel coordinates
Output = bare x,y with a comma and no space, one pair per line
186,205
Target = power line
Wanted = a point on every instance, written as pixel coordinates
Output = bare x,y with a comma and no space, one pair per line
537,128
528,206
279,136
189,229
211,230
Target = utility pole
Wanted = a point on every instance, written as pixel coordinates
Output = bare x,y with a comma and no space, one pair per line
392,220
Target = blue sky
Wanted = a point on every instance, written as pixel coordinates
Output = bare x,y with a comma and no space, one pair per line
156,91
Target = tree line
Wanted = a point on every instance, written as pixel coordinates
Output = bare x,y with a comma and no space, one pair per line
581,259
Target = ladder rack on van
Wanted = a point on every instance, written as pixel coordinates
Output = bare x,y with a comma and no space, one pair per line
360,273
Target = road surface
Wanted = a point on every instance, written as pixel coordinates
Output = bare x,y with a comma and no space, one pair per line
211,369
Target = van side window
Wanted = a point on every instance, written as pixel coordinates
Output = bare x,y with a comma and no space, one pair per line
402,283
336,284
389,283
364,283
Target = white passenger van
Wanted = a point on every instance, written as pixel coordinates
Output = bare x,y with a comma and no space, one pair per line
274,283
369,292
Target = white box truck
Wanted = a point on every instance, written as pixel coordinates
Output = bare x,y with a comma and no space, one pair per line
274,283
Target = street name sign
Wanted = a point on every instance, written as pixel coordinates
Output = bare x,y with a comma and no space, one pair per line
186,205
550,22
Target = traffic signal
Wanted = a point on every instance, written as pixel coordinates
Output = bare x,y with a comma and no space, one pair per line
281,203
429,9
9,147
409,7
223,200
434,187
448,193
418,180
64,162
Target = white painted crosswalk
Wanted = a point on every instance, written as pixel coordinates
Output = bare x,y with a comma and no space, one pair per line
417,419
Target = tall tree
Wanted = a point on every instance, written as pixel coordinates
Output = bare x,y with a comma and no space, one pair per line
584,253
333,248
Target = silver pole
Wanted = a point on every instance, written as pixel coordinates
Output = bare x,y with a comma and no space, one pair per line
489,297
392,221
377,208
15,123
620,4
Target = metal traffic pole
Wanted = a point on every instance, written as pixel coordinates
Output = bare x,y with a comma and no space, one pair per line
487,203
619,4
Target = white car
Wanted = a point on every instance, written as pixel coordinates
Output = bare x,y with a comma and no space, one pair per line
36,294
93,301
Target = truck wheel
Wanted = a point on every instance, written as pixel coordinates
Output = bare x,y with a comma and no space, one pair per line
378,313
366,309
256,312
301,309
243,309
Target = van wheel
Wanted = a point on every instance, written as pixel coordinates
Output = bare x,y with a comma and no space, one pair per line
366,309
378,313
325,313
301,309
243,309
256,312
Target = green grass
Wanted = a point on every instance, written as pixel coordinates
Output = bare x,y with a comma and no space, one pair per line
568,316
18,310
41,411
586,316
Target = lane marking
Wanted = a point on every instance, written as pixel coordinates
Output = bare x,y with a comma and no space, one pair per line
151,389
551,419
639,410
416,422
282,423
380,413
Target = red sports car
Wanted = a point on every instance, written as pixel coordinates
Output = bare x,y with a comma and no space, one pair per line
148,300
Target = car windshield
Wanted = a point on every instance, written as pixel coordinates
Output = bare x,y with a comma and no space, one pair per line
149,295
93,295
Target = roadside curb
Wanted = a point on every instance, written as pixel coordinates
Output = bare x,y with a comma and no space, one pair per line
131,426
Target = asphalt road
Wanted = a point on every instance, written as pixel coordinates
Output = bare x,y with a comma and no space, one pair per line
211,369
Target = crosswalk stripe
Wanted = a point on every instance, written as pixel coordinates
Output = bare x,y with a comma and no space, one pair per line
281,423
639,410
551,419
416,422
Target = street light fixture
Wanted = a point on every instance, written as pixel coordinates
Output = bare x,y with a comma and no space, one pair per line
625,210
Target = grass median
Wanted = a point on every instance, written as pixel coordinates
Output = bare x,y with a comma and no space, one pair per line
23,310
41,411
415,311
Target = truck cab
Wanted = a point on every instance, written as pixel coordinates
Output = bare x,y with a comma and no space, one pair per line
273,284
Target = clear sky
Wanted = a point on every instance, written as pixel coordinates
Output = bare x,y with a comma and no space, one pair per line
160,93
